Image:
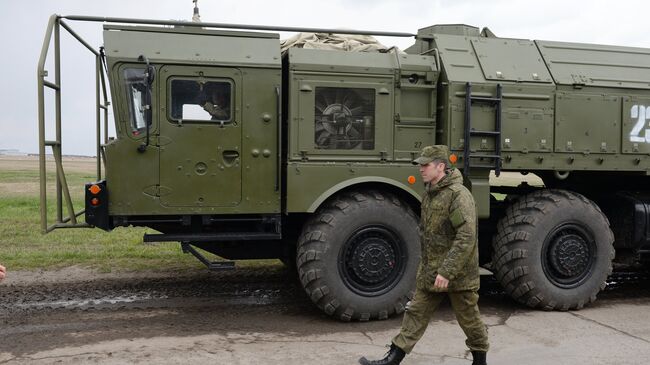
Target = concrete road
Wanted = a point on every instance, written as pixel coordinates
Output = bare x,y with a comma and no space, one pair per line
260,316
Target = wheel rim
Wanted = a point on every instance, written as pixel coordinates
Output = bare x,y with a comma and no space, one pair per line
372,260
569,255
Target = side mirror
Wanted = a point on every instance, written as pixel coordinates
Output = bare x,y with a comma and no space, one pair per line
149,77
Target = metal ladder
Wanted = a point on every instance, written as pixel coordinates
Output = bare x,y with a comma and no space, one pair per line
471,132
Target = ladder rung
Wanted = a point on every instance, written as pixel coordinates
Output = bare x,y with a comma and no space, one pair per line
485,99
484,133
483,156
484,166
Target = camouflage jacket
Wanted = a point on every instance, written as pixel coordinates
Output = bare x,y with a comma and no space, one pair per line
448,232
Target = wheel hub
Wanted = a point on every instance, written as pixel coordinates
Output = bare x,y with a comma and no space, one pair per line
371,261
568,255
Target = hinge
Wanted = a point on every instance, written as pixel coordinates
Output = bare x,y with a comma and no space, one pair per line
157,192
303,155
398,118
383,156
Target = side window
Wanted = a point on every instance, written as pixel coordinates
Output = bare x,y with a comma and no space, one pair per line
201,101
135,91
345,118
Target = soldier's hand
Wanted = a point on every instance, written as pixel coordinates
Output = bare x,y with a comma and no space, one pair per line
441,282
2,272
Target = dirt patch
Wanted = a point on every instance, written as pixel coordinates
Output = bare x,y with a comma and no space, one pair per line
76,274
262,316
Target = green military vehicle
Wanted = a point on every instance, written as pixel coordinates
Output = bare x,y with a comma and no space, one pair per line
228,145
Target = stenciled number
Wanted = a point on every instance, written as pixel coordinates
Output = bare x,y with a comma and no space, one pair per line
642,114
417,145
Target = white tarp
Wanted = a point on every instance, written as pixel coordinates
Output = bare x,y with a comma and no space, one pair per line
338,42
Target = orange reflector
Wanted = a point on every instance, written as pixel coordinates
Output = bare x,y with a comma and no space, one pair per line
94,189
411,179
94,201
453,158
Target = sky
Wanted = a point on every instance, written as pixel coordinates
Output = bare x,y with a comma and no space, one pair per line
23,24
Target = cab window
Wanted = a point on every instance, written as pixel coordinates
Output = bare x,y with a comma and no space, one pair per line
201,101
135,91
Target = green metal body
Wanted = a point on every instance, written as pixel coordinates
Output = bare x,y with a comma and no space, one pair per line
227,144
187,168
565,108
184,170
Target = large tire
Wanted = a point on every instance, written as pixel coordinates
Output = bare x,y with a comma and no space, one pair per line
358,256
553,250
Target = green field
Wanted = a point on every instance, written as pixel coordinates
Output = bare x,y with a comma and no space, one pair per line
24,247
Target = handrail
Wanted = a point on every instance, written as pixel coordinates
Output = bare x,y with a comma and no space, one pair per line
233,26
62,190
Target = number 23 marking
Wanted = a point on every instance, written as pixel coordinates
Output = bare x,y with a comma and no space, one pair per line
642,114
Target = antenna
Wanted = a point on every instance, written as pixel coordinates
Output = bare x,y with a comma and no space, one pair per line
196,17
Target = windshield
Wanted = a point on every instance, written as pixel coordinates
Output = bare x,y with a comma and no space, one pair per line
135,91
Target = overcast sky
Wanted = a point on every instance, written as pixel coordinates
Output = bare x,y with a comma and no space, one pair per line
23,23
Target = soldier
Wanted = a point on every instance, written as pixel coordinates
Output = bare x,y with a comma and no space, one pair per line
217,103
449,266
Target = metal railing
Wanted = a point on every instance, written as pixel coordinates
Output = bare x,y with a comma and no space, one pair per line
62,190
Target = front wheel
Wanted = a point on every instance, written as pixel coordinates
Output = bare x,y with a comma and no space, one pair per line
357,258
553,250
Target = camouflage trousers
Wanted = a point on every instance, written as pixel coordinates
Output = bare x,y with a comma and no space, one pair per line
423,306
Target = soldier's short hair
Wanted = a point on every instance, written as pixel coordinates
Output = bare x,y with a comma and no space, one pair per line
446,162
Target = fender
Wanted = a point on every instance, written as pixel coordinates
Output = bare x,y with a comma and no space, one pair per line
357,181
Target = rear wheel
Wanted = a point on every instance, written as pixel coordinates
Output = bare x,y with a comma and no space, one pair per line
358,256
553,250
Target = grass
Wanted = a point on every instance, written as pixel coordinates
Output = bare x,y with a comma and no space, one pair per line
24,247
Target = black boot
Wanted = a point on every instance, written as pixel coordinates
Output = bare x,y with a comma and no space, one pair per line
479,357
393,357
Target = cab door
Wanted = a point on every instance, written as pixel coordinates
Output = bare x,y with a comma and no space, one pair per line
200,137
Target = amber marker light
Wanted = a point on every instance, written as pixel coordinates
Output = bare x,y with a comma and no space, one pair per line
453,158
94,201
94,189
411,179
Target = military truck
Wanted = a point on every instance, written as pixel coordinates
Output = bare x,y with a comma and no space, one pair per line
229,146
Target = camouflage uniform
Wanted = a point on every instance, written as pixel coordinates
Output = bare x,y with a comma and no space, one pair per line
449,248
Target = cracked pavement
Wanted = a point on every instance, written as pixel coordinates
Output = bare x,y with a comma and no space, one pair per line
262,316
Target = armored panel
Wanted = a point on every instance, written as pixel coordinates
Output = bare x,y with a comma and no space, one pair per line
344,105
597,65
527,119
409,140
458,58
221,48
358,62
587,123
510,60
636,125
